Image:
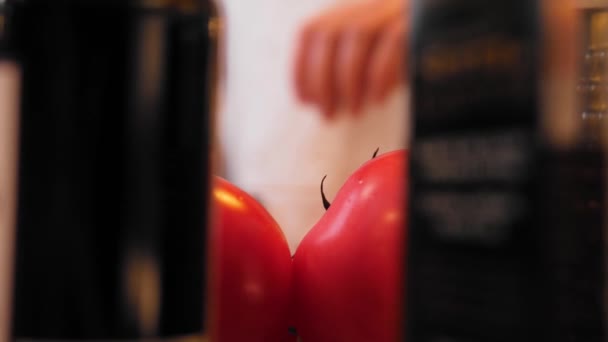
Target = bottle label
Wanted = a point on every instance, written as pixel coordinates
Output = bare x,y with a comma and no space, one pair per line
9,122
507,230
474,93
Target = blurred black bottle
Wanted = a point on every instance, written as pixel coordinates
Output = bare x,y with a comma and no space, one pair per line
116,101
507,239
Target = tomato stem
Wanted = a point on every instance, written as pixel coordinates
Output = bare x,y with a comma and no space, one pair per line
376,153
326,203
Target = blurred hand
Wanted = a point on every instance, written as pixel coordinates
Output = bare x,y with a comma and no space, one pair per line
351,54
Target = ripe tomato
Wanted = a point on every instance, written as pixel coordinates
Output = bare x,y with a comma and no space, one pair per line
348,268
251,270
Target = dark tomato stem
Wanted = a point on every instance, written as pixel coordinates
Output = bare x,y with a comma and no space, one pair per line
376,153
326,203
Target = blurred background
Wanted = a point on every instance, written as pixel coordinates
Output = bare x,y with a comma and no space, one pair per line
308,88
312,88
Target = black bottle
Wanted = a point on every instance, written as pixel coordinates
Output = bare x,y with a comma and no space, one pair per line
114,168
506,241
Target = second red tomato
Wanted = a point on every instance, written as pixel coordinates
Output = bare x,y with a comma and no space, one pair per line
348,268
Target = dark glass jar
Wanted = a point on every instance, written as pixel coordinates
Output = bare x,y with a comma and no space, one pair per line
116,100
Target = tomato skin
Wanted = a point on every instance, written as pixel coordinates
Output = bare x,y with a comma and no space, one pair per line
251,270
348,268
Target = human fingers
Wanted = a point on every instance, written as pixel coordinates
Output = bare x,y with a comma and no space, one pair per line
388,61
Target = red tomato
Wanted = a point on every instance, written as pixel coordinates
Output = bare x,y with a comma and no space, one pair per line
251,268
348,268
